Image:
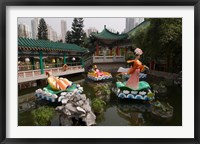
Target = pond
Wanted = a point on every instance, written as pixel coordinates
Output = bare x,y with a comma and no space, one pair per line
115,112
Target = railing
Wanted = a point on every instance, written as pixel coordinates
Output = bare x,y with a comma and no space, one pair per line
45,66
24,76
87,61
28,67
73,63
87,58
108,59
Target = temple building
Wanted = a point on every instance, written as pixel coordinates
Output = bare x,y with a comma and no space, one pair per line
114,48
109,46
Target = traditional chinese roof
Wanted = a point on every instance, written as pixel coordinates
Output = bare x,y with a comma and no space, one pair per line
45,45
108,36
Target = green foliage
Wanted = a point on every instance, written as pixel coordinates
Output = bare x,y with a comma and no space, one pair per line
162,40
86,42
162,107
42,116
68,37
98,105
78,34
42,30
102,89
129,55
100,118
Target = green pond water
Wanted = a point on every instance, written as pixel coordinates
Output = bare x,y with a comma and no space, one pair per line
116,112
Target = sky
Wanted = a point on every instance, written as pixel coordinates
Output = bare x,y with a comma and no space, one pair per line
117,24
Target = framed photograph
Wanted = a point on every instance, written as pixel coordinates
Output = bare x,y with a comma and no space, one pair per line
99,72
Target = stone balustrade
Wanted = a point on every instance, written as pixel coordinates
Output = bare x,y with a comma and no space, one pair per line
25,76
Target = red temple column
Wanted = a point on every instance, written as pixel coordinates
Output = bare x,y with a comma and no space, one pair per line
111,52
97,49
118,51
152,65
125,50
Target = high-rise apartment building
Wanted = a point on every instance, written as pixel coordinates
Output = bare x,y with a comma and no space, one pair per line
23,31
112,30
52,34
132,23
90,30
34,26
63,29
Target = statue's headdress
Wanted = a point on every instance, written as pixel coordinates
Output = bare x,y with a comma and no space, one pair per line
138,51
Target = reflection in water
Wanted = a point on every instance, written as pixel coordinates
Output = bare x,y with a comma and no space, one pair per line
25,106
98,105
162,109
116,112
133,112
64,120
100,90
135,118
136,113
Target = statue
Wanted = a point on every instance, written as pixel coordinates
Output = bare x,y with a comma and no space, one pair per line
97,75
58,83
134,88
134,71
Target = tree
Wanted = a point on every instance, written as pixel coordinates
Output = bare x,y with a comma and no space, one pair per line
167,36
86,41
42,30
162,40
78,33
68,37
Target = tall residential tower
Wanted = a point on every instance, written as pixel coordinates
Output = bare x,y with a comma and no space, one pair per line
132,23
23,31
52,34
34,26
63,30
90,30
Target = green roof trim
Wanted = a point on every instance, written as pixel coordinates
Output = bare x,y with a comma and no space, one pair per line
108,35
45,44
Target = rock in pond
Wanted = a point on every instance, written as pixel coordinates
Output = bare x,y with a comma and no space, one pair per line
78,108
